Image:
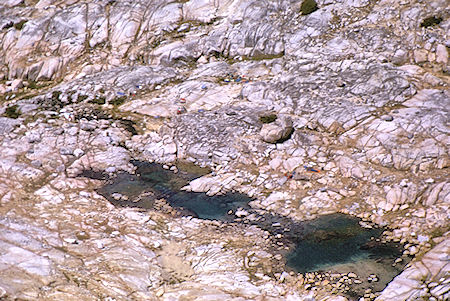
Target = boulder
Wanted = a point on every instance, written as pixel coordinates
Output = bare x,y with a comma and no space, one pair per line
278,131
400,57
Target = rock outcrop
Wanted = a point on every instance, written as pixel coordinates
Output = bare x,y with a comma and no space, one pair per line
361,94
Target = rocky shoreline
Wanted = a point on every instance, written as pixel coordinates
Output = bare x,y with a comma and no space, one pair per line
344,109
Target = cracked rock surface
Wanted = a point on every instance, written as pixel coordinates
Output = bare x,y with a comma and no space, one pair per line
344,109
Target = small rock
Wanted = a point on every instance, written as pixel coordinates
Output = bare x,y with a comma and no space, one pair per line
387,118
88,126
420,212
241,213
398,260
111,169
159,292
422,238
283,276
373,278
420,56
117,196
429,181
36,163
275,163
34,138
441,54
67,151
59,131
340,83
71,241
115,233
413,250
78,152
400,57
16,84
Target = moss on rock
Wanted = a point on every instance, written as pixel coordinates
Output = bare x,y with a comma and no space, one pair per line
430,21
118,100
308,6
12,112
268,118
19,25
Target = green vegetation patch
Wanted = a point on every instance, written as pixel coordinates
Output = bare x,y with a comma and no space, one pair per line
268,118
12,112
81,97
308,6
19,25
117,101
100,100
430,21
55,95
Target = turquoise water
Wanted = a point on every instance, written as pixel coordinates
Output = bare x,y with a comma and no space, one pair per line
154,182
334,242
334,239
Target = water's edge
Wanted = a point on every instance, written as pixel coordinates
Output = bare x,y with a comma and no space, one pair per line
333,243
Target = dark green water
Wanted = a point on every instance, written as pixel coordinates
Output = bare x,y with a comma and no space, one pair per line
334,242
334,239
154,182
